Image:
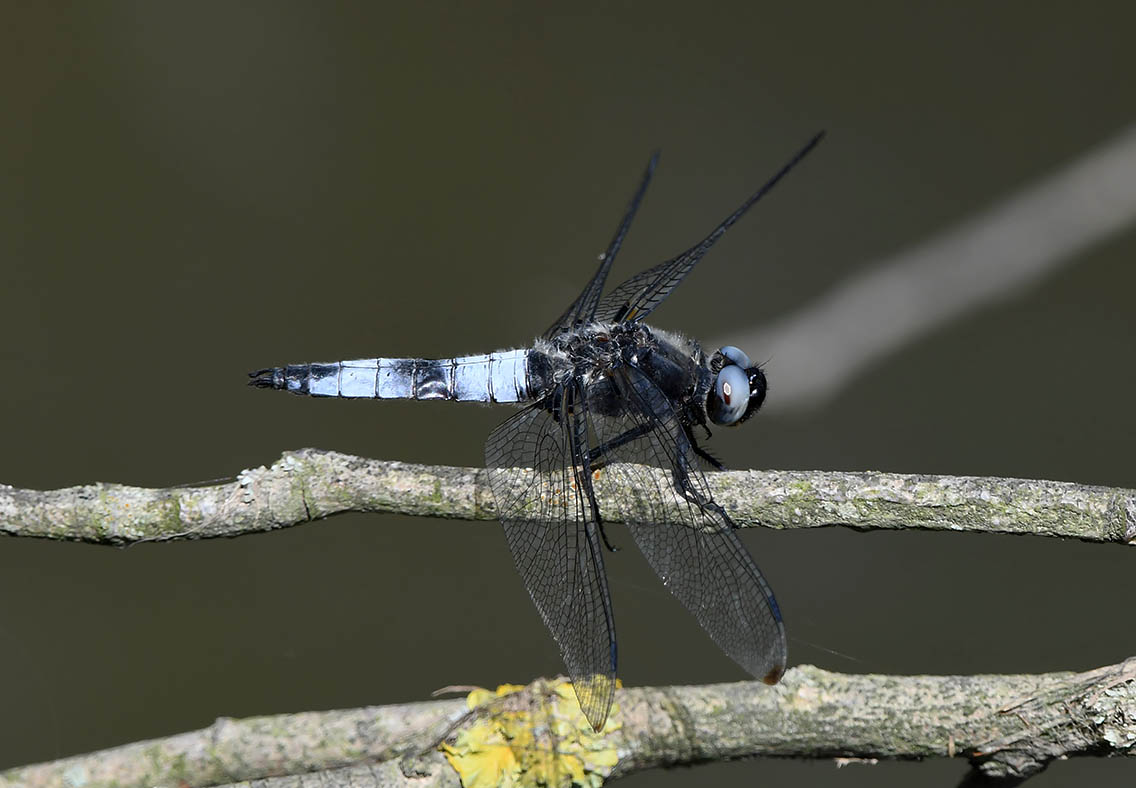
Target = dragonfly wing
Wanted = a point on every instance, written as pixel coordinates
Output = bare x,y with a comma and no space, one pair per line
551,533
583,309
638,296
687,538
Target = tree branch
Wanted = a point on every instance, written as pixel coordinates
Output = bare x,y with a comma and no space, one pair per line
310,484
1008,726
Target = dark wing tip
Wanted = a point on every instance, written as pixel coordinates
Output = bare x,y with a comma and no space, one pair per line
595,695
596,718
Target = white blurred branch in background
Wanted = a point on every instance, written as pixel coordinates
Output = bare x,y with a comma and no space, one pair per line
821,348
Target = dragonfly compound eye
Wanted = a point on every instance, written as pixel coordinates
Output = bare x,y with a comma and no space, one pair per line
736,355
758,386
729,397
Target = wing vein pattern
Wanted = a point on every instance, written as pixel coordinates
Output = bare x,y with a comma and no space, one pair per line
583,309
637,297
552,535
688,539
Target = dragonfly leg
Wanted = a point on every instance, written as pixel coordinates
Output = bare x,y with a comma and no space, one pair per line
597,454
583,468
584,482
687,490
603,535
714,462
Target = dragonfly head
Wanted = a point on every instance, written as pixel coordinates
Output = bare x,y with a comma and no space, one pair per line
738,390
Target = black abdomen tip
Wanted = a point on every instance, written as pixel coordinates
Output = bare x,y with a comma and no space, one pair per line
270,378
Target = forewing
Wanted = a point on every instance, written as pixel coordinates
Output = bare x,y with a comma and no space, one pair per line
583,309
687,538
638,296
549,529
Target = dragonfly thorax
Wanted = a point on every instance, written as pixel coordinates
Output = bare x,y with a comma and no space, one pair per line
599,347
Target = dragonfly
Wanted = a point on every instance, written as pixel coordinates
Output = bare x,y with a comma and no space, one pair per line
601,392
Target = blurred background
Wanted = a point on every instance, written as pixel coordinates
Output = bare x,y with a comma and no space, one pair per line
189,193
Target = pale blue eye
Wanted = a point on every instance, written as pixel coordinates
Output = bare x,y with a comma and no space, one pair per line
736,356
730,396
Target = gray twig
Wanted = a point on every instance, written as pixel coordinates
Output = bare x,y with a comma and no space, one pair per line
309,485
1009,727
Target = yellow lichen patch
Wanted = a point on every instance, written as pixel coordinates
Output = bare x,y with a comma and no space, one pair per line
531,736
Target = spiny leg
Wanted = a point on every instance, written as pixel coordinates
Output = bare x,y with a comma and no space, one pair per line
581,461
686,488
701,452
597,454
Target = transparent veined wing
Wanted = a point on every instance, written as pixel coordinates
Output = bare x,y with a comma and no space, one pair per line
552,533
688,539
637,297
583,309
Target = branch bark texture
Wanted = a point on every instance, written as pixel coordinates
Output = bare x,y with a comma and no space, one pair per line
1009,727
309,485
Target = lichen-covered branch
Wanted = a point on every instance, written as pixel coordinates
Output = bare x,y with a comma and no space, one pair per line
1007,726
310,484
